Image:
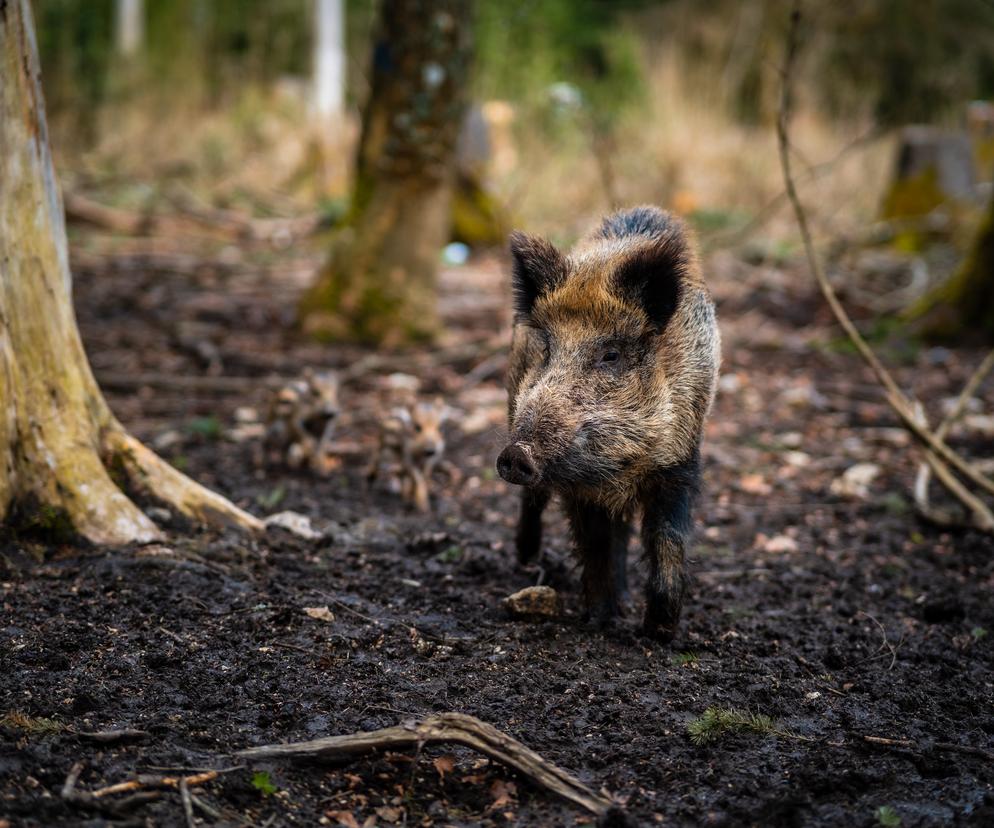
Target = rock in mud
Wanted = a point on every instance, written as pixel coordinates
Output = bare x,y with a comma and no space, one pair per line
533,602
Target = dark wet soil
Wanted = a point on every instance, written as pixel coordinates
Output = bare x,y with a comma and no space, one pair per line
839,617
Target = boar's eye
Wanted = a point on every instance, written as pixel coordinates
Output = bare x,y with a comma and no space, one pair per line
610,357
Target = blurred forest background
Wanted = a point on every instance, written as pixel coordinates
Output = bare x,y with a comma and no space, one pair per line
605,103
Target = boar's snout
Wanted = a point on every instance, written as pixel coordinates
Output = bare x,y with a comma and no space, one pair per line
516,464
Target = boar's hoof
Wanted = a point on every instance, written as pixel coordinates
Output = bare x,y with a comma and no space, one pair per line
528,547
662,616
515,465
603,613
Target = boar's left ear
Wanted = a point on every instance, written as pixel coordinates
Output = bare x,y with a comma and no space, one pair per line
538,267
652,278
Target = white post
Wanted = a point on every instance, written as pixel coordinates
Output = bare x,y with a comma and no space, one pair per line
329,58
130,25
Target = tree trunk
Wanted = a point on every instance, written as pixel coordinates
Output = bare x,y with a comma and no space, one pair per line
58,439
962,308
379,285
129,26
329,59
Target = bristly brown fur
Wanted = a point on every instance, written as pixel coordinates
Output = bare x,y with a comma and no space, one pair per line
613,367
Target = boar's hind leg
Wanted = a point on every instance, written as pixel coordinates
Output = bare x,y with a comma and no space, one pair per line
529,537
666,525
594,531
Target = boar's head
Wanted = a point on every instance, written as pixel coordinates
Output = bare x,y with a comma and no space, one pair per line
613,361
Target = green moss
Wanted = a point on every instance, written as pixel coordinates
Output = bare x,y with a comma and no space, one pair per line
963,306
916,195
40,521
720,721
476,216
374,314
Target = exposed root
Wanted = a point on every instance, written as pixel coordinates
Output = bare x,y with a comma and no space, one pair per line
95,507
152,475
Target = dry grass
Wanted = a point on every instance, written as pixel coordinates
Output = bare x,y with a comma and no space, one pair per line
685,151
681,149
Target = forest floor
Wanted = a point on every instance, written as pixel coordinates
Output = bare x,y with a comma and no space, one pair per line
840,616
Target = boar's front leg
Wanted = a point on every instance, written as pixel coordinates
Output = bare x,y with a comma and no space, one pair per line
598,540
666,526
620,532
529,538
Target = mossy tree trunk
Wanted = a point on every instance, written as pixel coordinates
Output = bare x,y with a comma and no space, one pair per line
963,306
379,285
58,438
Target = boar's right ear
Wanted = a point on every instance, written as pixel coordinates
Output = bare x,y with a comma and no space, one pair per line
538,267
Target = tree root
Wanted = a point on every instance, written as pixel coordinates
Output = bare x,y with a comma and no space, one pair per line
152,475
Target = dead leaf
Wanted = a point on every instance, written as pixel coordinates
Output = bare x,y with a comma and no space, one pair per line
503,794
445,764
755,484
779,544
320,613
343,818
389,814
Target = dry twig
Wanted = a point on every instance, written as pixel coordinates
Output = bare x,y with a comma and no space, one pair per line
942,456
980,515
184,792
947,747
449,728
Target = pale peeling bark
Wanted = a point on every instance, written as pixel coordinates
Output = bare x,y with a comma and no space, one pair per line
57,435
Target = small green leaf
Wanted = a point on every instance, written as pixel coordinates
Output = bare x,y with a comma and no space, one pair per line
450,555
209,427
978,633
887,817
272,498
262,783
684,659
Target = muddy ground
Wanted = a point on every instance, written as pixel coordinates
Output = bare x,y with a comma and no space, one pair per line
838,616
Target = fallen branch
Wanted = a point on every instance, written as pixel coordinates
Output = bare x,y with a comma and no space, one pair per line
445,728
948,747
84,799
905,409
110,737
226,224
144,781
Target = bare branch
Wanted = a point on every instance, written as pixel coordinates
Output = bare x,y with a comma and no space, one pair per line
897,399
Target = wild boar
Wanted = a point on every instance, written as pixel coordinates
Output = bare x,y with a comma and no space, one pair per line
412,435
301,420
613,366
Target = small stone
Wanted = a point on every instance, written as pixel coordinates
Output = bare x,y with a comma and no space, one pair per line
533,602
855,481
780,544
294,523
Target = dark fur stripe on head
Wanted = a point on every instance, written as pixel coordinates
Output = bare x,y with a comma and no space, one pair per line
538,268
647,221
